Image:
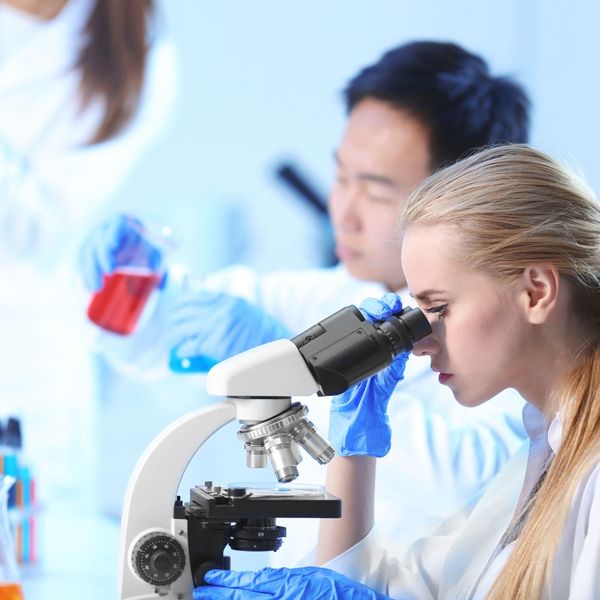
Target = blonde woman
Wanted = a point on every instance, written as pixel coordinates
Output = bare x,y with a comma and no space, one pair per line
502,252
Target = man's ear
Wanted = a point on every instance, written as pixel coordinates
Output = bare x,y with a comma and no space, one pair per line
540,292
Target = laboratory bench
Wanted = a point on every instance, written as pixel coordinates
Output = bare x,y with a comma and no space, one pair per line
78,553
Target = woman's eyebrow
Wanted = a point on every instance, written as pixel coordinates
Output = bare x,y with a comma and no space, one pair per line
427,294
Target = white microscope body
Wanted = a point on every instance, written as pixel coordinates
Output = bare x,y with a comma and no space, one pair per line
257,385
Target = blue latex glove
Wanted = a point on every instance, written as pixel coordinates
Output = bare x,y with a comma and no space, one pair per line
358,423
205,327
119,241
283,584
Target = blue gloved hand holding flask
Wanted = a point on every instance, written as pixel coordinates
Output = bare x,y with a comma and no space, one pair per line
122,261
121,241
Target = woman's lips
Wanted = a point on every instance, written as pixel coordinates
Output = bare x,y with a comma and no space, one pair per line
444,377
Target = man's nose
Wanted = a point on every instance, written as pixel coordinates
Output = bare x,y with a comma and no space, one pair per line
348,213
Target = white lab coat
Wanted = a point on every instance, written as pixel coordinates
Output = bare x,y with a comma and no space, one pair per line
453,563
442,453
51,187
50,180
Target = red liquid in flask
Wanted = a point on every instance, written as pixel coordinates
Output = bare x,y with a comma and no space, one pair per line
10,591
118,304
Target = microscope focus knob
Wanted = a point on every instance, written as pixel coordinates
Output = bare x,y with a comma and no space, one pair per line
158,558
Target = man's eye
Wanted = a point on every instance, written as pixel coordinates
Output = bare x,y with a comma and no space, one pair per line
440,311
382,199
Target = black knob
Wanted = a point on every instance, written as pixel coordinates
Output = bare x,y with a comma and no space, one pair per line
236,492
158,558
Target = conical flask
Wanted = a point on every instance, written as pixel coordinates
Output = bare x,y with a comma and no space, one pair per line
10,588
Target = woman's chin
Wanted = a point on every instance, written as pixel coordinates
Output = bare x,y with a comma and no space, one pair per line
469,401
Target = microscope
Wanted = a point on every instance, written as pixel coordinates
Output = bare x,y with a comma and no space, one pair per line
167,545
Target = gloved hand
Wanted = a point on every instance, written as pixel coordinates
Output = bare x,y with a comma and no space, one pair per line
205,325
120,241
358,423
283,584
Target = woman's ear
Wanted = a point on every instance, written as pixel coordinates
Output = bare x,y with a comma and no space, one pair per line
540,292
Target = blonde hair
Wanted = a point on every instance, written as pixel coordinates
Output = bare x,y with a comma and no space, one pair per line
514,206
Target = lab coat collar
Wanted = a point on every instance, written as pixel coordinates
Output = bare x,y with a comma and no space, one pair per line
537,428
33,63
534,422
474,546
555,433
477,542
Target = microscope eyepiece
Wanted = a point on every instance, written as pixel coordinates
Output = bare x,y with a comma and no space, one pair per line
404,329
345,348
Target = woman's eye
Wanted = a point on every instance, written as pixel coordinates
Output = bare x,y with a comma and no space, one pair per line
440,311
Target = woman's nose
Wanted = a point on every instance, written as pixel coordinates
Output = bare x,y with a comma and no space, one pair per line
426,346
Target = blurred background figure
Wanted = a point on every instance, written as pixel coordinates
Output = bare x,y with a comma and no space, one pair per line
85,86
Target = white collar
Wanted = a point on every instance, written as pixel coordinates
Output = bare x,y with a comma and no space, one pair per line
533,421
537,428
555,433
52,48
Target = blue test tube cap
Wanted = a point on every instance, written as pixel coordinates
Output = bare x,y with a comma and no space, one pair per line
190,364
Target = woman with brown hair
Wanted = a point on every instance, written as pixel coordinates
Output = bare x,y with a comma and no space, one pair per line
79,100
502,253
85,85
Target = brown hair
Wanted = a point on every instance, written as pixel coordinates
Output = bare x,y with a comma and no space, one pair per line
113,60
513,206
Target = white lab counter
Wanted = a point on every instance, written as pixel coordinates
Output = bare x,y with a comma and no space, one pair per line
78,557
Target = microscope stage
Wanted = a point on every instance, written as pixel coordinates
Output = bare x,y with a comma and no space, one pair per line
262,501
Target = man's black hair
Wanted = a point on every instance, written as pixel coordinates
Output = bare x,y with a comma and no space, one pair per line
452,92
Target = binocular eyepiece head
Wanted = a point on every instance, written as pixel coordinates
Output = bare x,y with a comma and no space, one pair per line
345,348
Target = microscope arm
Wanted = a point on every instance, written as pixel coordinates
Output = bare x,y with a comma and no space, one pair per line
153,485
271,370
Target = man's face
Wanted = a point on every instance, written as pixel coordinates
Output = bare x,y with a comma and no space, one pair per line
383,155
